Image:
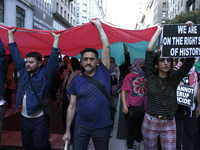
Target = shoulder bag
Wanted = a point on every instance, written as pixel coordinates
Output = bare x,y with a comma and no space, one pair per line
47,103
103,90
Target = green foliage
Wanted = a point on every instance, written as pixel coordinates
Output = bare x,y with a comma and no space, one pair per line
184,17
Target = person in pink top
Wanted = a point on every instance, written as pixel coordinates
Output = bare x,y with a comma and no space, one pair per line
133,94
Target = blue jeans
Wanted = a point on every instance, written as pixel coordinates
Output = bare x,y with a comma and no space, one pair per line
82,134
35,133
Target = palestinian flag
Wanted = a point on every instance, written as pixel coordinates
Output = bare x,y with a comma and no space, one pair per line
74,40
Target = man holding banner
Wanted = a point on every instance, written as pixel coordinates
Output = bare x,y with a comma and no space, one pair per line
34,84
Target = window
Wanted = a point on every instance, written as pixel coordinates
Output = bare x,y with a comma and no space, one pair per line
74,11
178,5
20,16
190,7
71,20
181,3
164,14
71,8
68,18
164,5
1,10
65,15
61,10
68,4
57,7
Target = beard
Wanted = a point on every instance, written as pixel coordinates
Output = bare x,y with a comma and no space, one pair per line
88,69
31,70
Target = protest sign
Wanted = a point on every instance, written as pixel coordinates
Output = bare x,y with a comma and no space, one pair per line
185,95
181,41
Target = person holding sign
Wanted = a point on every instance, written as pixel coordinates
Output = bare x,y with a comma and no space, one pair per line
162,81
186,126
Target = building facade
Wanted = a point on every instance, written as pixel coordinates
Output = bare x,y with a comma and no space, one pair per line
17,13
158,11
38,14
90,9
64,14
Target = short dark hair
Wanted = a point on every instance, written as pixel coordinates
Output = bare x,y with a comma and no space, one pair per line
46,56
112,58
36,55
93,50
75,64
66,56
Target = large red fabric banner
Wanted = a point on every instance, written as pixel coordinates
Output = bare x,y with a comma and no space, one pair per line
72,40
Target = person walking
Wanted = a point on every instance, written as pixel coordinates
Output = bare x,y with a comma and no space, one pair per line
3,66
162,81
34,125
186,124
93,117
134,86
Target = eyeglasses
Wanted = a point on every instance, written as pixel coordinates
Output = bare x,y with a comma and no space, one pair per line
163,59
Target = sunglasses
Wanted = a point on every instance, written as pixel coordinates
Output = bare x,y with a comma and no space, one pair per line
163,59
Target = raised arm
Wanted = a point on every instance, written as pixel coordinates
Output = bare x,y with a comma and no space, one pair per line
154,39
105,55
53,62
56,39
11,35
16,55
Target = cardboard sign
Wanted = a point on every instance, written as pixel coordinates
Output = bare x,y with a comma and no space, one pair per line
181,41
185,95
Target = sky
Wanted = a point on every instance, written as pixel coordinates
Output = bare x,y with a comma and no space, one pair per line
123,13
128,16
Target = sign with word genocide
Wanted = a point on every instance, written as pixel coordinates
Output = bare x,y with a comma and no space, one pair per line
185,95
181,41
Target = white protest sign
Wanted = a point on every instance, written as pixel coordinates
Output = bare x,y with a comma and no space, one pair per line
185,95
181,41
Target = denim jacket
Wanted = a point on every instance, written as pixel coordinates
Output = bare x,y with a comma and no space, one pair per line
3,70
41,79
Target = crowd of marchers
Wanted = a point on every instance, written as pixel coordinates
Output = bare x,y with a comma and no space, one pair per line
83,88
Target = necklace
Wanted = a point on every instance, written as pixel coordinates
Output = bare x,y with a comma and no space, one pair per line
162,85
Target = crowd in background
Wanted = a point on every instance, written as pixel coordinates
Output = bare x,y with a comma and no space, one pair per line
148,92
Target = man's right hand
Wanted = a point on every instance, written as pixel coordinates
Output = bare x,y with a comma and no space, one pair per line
66,137
11,35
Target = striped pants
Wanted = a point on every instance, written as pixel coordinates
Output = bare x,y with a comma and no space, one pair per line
165,129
